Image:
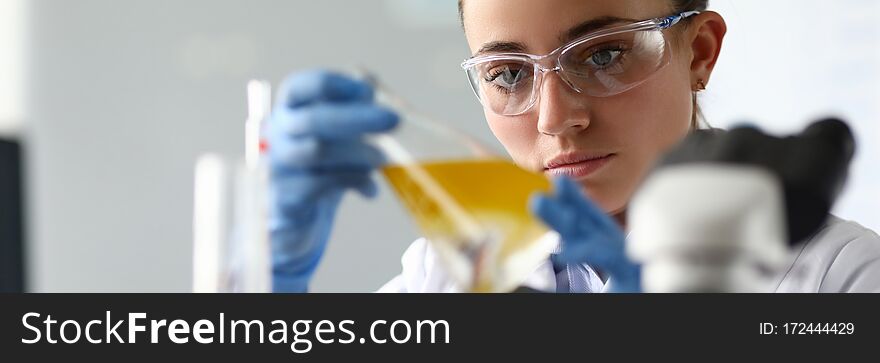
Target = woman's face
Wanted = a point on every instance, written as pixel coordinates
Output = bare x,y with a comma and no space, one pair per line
622,134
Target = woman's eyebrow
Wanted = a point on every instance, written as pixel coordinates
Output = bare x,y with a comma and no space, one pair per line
575,32
592,25
501,47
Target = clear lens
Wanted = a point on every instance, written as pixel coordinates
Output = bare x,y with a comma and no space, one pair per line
615,63
599,67
505,86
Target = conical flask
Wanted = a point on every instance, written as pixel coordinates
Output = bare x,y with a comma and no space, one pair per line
470,202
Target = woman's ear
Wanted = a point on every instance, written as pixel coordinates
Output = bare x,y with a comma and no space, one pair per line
706,34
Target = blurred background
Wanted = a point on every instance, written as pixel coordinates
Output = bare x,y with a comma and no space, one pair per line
112,101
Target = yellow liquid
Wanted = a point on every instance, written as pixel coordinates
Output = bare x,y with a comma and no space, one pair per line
491,194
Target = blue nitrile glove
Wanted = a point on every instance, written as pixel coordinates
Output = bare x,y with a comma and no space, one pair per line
588,234
317,152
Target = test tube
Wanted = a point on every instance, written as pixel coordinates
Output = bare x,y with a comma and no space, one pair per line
230,211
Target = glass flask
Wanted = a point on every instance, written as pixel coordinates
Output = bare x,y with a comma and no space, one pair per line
470,202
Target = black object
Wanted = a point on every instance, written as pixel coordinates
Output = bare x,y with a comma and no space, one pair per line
11,218
812,166
528,290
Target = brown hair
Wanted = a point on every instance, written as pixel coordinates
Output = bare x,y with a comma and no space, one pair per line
688,5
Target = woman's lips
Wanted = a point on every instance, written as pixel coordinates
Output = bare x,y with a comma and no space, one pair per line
578,168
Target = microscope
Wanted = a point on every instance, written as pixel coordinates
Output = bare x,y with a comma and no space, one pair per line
721,211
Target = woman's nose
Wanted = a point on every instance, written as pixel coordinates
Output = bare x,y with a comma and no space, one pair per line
560,108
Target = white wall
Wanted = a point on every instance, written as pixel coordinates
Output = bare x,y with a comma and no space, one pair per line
13,26
128,93
787,62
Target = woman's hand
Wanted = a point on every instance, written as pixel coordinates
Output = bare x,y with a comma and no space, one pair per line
317,152
588,234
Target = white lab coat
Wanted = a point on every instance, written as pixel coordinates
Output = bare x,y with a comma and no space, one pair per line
842,257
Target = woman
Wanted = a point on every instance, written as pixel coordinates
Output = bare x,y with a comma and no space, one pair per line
571,88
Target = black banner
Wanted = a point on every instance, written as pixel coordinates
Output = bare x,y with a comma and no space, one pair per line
433,327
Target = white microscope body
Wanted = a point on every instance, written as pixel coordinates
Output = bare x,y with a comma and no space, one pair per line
725,232
721,211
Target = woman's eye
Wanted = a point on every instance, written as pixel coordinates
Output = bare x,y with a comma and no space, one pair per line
506,76
604,58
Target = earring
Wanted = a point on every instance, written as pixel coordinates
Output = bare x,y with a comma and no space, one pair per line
695,122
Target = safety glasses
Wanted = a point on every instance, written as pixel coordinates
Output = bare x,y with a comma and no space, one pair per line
601,64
